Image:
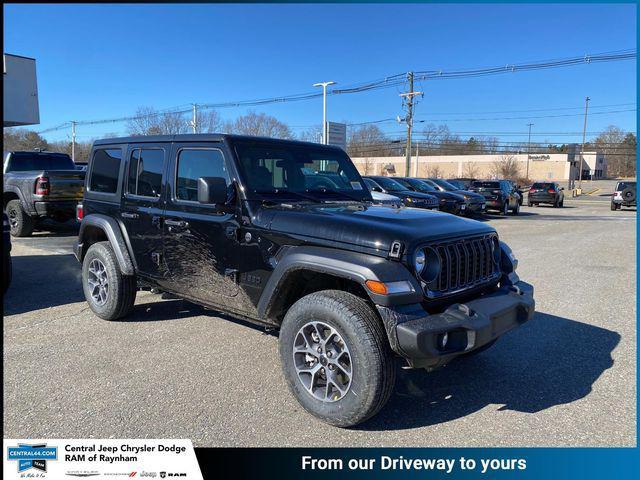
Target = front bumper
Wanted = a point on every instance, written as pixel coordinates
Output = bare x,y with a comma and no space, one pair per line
478,207
468,325
452,207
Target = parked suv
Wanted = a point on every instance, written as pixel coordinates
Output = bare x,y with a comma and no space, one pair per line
546,192
39,185
247,226
499,194
624,195
410,198
475,203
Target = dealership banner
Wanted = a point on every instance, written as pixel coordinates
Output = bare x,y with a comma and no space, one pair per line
99,458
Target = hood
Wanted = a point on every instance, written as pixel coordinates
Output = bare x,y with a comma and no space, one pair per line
454,197
470,194
371,228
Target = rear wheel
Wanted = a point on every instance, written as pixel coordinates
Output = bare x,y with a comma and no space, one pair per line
20,222
613,206
561,204
516,209
108,291
505,208
336,358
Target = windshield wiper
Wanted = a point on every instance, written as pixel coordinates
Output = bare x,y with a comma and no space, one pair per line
339,192
304,196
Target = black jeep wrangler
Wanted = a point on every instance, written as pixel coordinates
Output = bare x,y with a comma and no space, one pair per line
283,233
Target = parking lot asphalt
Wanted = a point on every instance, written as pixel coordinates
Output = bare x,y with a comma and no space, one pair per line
175,370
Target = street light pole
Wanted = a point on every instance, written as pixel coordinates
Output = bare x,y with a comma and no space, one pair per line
584,134
324,86
529,149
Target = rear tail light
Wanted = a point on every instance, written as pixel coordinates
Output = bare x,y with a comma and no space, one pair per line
551,190
79,212
532,190
42,186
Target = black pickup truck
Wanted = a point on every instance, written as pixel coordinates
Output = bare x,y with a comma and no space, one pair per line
283,233
40,185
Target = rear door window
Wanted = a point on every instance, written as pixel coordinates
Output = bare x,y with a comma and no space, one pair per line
105,169
145,172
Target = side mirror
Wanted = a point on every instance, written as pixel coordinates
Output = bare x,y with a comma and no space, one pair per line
376,189
212,190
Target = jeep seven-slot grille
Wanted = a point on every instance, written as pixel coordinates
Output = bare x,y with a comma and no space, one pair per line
464,263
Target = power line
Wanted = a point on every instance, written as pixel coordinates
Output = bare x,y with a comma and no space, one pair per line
386,82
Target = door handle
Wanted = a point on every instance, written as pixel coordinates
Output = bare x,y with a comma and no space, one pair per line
176,223
129,215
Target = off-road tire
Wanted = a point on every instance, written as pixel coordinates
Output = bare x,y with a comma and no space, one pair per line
373,368
20,222
121,288
483,348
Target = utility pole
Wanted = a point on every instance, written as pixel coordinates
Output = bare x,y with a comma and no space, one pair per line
408,98
529,149
324,85
194,117
584,134
73,140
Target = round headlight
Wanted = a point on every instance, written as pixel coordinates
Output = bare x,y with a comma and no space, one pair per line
419,261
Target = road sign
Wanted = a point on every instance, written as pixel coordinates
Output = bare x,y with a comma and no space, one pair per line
337,134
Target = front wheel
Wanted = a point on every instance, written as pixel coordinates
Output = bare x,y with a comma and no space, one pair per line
109,293
505,209
336,357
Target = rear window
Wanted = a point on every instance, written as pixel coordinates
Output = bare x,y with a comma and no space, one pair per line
543,185
27,161
622,185
495,185
105,169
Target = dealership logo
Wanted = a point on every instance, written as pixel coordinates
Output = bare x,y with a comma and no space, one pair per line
82,473
32,456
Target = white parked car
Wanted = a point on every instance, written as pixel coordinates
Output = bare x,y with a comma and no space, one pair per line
624,195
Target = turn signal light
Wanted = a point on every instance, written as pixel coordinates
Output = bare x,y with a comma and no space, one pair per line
377,287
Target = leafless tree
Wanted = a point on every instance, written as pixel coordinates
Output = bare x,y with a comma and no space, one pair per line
619,149
259,124
434,172
470,170
313,134
367,140
209,122
22,139
506,167
148,121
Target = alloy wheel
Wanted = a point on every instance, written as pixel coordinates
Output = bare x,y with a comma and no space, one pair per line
98,282
322,361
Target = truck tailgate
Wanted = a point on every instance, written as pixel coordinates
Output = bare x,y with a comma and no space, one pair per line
65,184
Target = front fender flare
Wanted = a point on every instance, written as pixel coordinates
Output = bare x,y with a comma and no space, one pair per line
112,230
358,267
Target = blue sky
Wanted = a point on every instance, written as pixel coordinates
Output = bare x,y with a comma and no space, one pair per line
102,61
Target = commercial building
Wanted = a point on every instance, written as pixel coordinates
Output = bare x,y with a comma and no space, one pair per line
20,91
548,166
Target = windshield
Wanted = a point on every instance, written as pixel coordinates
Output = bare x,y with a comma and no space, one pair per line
390,184
420,185
28,161
444,184
296,170
459,184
